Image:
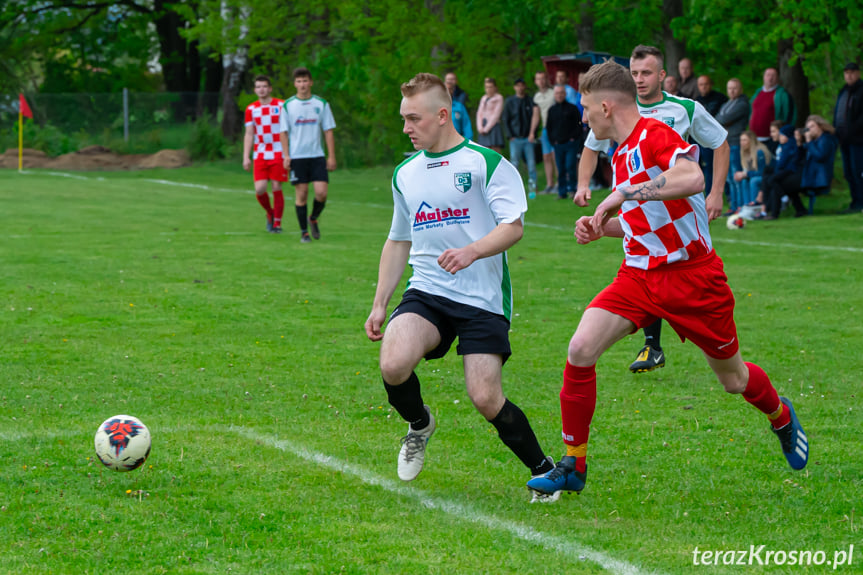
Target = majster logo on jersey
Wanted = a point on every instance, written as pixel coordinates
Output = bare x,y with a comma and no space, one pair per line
437,165
428,217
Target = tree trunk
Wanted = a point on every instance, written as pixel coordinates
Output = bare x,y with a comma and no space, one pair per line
793,79
235,65
440,52
584,27
213,73
172,47
674,49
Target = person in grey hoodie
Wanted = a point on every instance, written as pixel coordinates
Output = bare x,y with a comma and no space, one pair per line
734,117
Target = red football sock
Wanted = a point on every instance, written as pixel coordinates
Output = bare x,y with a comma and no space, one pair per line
264,200
577,404
761,393
278,207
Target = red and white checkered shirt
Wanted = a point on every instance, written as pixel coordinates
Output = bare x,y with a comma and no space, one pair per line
658,232
266,122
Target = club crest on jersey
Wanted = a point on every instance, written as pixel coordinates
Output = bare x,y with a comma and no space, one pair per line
634,161
668,120
462,181
428,217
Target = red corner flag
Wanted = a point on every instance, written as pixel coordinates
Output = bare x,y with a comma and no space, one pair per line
24,108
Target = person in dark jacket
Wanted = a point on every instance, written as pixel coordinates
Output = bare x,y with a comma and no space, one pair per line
566,137
848,119
817,175
787,174
734,117
517,116
712,102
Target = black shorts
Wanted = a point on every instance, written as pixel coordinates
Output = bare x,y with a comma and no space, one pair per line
478,330
305,170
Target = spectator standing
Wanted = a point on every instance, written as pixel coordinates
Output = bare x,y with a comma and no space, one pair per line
544,99
771,102
712,102
565,135
734,117
451,81
688,83
848,119
671,86
488,117
460,116
561,78
817,175
518,111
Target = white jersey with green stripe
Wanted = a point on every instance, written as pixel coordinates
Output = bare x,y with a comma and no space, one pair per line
305,121
687,117
449,200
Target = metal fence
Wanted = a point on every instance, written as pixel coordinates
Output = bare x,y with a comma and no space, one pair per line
128,122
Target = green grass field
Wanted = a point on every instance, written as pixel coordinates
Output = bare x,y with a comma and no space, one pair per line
273,444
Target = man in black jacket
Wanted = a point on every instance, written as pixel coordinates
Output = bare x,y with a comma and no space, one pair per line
848,120
567,138
517,115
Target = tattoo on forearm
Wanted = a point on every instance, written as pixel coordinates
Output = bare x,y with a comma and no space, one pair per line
646,191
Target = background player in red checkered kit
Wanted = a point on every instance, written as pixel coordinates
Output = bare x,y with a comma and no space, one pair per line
670,271
304,119
457,207
262,128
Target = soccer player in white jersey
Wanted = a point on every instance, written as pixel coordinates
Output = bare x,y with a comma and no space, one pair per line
262,129
458,208
689,119
670,270
305,119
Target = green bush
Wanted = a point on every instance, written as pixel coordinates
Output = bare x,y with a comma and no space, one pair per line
206,142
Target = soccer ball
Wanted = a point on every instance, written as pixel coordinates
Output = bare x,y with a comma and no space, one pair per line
735,222
122,443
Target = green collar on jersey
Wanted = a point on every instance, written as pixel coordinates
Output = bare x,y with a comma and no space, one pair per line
445,152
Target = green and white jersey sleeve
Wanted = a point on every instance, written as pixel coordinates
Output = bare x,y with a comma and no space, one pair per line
305,121
449,200
687,117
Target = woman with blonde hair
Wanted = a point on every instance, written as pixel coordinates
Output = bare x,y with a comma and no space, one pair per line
754,156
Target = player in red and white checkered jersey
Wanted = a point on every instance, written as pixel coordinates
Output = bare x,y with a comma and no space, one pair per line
262,128
670,271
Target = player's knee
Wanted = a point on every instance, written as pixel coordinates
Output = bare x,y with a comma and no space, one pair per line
393,370
581,351
486,401
733,383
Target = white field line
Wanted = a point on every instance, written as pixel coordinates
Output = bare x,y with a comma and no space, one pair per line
462,511
531,224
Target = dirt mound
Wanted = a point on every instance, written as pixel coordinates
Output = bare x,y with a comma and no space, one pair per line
96,158
166,159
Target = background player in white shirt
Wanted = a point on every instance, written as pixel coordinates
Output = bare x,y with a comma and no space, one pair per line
458,207
305,118
262,129
689,119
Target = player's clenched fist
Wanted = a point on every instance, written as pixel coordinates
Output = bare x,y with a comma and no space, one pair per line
584,232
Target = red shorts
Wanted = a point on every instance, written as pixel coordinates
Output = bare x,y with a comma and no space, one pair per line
270,170
692,296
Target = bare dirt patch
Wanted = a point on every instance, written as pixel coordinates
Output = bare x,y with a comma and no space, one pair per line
95,158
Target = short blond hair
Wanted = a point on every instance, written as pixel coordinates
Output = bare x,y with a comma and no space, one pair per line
428,83
609,77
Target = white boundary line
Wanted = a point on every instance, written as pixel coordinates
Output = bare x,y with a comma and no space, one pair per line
373,205
461,511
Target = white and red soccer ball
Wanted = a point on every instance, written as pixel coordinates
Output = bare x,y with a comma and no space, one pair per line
122,443
735,222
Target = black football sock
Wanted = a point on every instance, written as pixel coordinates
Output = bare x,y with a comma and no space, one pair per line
514,430
317,208
408,402
302,218
652,333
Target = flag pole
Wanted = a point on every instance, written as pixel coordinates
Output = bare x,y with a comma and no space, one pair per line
20,140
